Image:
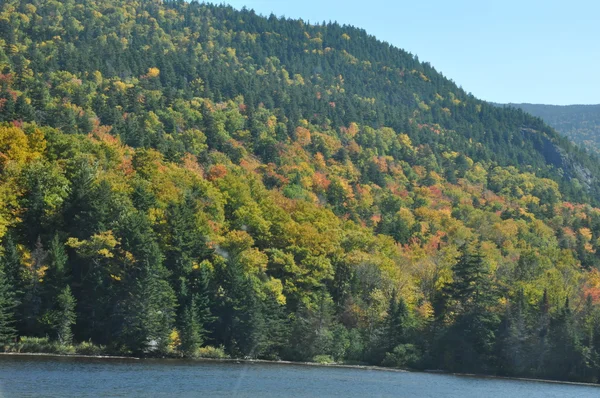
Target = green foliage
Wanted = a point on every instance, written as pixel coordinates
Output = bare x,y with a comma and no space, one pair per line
42,345
212,352
580,123
222,179
191,330
65,316
8,304
323,359
402,356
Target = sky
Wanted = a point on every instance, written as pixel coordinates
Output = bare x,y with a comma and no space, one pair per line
533,51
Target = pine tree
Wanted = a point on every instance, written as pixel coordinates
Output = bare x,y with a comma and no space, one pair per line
148,314
11,261
65,316
396,323
8,304
514,338
240,319
191,329
564,360
57,272
542,330
31,306
471,339
147,309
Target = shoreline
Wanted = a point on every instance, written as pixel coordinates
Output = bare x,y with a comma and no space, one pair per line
314,364
48,354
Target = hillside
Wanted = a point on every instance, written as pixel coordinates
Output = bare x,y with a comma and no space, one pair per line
185,179
580,123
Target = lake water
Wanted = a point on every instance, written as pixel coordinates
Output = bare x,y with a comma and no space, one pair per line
76,377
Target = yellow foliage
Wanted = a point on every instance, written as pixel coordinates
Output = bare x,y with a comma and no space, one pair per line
14,147
586,234
174,340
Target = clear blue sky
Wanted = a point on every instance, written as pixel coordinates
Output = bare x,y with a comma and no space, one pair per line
500,50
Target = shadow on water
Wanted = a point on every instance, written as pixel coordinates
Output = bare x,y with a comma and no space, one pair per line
26,376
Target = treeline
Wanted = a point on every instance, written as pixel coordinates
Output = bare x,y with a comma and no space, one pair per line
187,180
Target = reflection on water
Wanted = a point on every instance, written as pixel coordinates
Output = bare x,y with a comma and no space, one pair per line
78,377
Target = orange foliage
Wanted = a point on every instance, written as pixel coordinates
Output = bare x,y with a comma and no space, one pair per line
302,136
190,162
320,181
216,172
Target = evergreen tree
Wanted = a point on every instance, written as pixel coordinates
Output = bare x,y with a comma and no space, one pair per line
65,316
514,338
201,291
470,341
57,273
543,327
396,323
191,330
148,305
8,304
564,359
240,319
148,314
31,304
10,261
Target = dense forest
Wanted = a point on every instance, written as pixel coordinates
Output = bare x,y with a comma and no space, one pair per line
580,123
184,179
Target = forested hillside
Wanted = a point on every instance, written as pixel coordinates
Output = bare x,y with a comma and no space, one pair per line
580,123
189,180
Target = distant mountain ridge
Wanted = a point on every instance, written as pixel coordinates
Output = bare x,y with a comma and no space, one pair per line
580,123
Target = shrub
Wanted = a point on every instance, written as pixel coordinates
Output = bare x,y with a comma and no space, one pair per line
323,359
42,345
89,348
212,352
403,355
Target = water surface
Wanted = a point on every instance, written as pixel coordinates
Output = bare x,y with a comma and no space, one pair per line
81,377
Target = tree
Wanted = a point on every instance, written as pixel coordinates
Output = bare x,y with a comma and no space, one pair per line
148,314
396,322
191,329
564,360
240,322
31,307
147,308
312,328
514,338
8,305
56,276
65,316
469,302
11,263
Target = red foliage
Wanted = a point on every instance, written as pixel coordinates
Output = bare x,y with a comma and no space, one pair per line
216,172
320,181
594,293
436,192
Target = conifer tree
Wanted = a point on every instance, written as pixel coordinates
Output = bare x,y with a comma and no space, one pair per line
397,322
470,296
191,329
8,305
65,316
240,319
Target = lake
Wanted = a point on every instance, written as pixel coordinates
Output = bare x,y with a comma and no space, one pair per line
25,376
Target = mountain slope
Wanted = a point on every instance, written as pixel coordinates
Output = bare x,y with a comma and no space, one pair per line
176,176
580,123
